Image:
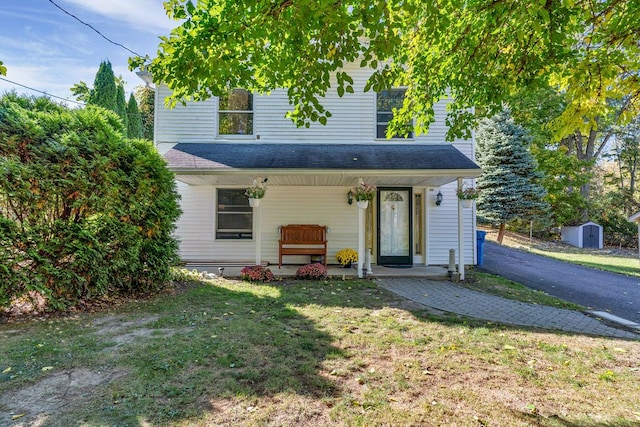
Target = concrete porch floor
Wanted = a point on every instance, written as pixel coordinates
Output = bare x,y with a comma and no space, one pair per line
233,270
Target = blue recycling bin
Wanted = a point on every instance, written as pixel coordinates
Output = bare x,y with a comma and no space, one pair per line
480,235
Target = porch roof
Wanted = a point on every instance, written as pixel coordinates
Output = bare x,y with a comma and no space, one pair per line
319,164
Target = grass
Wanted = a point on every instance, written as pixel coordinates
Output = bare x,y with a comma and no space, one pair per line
601,261
505,288
342,353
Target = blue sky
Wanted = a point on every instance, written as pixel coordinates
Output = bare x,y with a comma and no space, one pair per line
44,48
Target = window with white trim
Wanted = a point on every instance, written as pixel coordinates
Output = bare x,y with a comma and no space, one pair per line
386,101
235,113
234,216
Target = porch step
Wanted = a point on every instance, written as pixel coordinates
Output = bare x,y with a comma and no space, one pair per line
232,269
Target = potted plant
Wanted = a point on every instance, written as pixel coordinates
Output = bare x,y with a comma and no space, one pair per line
467,195
346,256
256,191
363,193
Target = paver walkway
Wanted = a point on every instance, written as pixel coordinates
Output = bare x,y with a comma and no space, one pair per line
449,297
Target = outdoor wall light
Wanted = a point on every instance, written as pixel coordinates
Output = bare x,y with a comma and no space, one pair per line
350,197
438,198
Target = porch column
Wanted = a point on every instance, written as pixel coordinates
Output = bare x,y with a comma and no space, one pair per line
361,251
460,235
258,233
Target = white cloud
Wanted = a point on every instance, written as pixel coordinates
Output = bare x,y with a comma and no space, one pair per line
42,78
46,50
145,15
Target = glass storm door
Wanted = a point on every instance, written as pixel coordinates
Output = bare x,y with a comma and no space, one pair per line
394,226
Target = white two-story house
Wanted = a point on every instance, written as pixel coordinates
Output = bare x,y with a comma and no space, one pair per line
218,147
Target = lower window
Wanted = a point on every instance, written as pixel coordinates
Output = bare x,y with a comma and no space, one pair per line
234,215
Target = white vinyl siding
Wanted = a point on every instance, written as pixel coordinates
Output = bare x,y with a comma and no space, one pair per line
193,122
442,227
353,119
196,229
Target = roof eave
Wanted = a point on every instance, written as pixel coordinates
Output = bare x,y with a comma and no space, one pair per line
462,173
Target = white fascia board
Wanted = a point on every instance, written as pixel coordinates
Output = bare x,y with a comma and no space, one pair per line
462,173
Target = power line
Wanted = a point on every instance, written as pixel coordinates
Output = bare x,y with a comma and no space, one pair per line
94,29
39,91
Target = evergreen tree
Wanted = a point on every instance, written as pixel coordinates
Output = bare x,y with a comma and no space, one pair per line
104,91
121,105
509,187
134,119
146,97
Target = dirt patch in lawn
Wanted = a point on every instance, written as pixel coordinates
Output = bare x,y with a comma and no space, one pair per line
39,403
33,405
120,331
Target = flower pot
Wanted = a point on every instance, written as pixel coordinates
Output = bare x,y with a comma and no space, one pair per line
347,265
466,203
362,204
254,203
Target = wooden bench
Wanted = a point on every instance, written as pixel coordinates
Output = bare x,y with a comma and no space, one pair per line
302,239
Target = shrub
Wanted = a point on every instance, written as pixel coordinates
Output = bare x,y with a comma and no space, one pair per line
181,274
312,271
83,211
256,273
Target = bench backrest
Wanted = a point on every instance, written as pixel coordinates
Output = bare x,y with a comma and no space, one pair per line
303,234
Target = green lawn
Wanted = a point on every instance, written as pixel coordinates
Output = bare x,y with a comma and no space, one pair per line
601,261
339,353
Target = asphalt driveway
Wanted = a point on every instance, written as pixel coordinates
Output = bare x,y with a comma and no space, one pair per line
598,290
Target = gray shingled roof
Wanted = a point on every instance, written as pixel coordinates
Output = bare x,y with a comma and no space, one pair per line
390,156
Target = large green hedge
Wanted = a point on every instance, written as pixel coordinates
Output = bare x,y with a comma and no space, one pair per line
83,210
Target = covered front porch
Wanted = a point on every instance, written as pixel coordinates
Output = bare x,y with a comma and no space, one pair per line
308,184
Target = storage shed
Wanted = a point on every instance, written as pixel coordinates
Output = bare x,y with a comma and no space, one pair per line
587,235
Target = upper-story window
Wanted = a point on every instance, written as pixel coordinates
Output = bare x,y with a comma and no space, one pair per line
386,101
235,113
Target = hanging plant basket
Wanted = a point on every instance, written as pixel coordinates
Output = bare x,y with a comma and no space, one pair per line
466,203
254,203
363,204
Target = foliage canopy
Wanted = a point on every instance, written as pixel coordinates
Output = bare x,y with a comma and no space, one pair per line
480,52
83,211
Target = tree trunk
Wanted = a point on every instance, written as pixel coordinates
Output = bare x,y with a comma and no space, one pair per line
501,233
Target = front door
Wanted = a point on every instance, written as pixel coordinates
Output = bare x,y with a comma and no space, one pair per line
394,227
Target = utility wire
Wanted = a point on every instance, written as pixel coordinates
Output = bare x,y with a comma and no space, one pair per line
39,91
94,29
